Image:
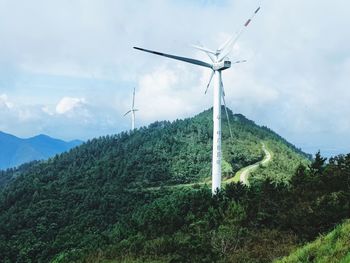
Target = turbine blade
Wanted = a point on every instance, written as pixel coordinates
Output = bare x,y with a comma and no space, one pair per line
223,91
211,54
239,61
227,116
188,60
222,47
207,50
211,77
127,113
228,45
133,98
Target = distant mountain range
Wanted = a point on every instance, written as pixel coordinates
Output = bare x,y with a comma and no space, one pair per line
15,151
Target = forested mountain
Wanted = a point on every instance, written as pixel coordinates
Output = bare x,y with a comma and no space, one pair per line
15,151
111,199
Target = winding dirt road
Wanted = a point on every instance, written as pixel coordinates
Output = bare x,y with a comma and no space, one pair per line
244,172
241,175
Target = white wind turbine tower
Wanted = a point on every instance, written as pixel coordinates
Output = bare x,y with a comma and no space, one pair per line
219,62
132,111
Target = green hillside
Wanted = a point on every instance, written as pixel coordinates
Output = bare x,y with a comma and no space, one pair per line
10,174
181,151
111,199
332,248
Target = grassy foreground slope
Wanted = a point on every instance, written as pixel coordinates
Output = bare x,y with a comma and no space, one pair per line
332,248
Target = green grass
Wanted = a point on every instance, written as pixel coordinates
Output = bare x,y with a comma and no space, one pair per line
334,247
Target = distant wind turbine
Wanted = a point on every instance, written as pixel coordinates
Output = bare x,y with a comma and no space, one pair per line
132,111
219,62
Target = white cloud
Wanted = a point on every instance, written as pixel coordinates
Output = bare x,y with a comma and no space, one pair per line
5,103
169,92
79,119
69,104
47,110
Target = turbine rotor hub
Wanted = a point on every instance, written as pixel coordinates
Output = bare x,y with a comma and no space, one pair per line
222,65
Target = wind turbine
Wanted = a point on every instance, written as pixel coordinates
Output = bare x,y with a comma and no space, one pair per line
219,62
132,111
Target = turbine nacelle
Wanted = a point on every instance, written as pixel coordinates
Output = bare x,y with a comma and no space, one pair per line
222,65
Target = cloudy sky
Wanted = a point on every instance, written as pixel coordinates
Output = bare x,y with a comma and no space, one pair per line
67,68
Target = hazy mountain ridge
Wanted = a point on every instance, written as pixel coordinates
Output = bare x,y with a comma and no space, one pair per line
15,151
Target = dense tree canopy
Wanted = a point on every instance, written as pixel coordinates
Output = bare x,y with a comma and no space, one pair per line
105,199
